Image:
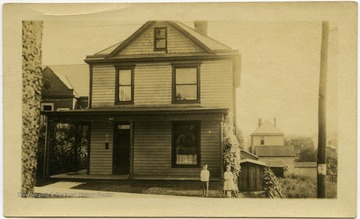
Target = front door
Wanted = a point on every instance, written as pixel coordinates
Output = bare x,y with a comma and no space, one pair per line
121,152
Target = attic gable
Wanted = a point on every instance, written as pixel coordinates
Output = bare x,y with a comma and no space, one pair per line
143,41
162,39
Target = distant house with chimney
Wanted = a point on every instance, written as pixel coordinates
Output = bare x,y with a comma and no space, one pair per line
267,142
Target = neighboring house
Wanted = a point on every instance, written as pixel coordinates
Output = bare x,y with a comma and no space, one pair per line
268,143
157,102
57,92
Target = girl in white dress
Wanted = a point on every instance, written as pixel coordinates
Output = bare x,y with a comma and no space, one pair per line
228,181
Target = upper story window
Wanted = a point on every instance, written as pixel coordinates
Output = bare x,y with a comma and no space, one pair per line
160,38
262,140
124,85
186,84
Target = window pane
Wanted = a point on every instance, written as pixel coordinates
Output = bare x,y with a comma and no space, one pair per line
160,33
186,144
160,44
125,77
186,92
47,108
125,93
186,75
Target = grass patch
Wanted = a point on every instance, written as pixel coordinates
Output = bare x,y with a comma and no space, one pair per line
174,188
305,187
153,187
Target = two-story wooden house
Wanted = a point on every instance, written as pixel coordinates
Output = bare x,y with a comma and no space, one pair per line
157,101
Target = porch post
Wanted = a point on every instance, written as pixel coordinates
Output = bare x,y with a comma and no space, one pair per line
221,150
131,149
48,130
77,141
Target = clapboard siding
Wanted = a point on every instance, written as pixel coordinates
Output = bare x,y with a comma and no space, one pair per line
101,158
176,42
103,85
217,84
153,84
153,148
210,146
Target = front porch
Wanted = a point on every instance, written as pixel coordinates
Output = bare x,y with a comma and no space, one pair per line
134,143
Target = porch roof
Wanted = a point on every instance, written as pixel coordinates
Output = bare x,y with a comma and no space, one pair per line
135,110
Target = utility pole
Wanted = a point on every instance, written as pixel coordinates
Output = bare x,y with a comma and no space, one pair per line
321,159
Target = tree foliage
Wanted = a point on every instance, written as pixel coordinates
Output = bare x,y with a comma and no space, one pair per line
68,149
232,148
31,94
304,147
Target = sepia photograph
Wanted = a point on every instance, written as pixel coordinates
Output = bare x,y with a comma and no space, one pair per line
180,109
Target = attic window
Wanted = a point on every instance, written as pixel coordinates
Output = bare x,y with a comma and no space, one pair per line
262,140
160,38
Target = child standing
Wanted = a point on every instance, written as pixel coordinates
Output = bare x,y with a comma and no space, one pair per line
204,178
228,182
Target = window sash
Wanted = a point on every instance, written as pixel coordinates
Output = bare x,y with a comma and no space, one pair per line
160,38
124,85
186,144
186,84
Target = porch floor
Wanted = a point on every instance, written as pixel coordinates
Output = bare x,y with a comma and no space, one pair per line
82,174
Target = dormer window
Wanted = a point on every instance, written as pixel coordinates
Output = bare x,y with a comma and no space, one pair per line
160,38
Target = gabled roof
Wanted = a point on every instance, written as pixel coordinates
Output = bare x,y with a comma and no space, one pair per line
56,84
248,154
258,162
209,45
77,75
275,151
207,41
267,128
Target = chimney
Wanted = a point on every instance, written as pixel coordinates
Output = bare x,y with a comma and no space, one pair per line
260,122
275,122
201,27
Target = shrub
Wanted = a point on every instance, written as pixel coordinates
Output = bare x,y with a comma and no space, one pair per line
271,184
62,154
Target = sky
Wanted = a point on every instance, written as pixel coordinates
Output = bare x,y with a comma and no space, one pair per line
280,63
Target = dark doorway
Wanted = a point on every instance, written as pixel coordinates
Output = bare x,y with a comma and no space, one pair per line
121,152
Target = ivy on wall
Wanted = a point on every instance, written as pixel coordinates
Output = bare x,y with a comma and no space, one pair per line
232,148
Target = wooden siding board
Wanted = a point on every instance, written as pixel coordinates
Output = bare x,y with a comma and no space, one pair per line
103,86
152,150
153,84
216,84
101,158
